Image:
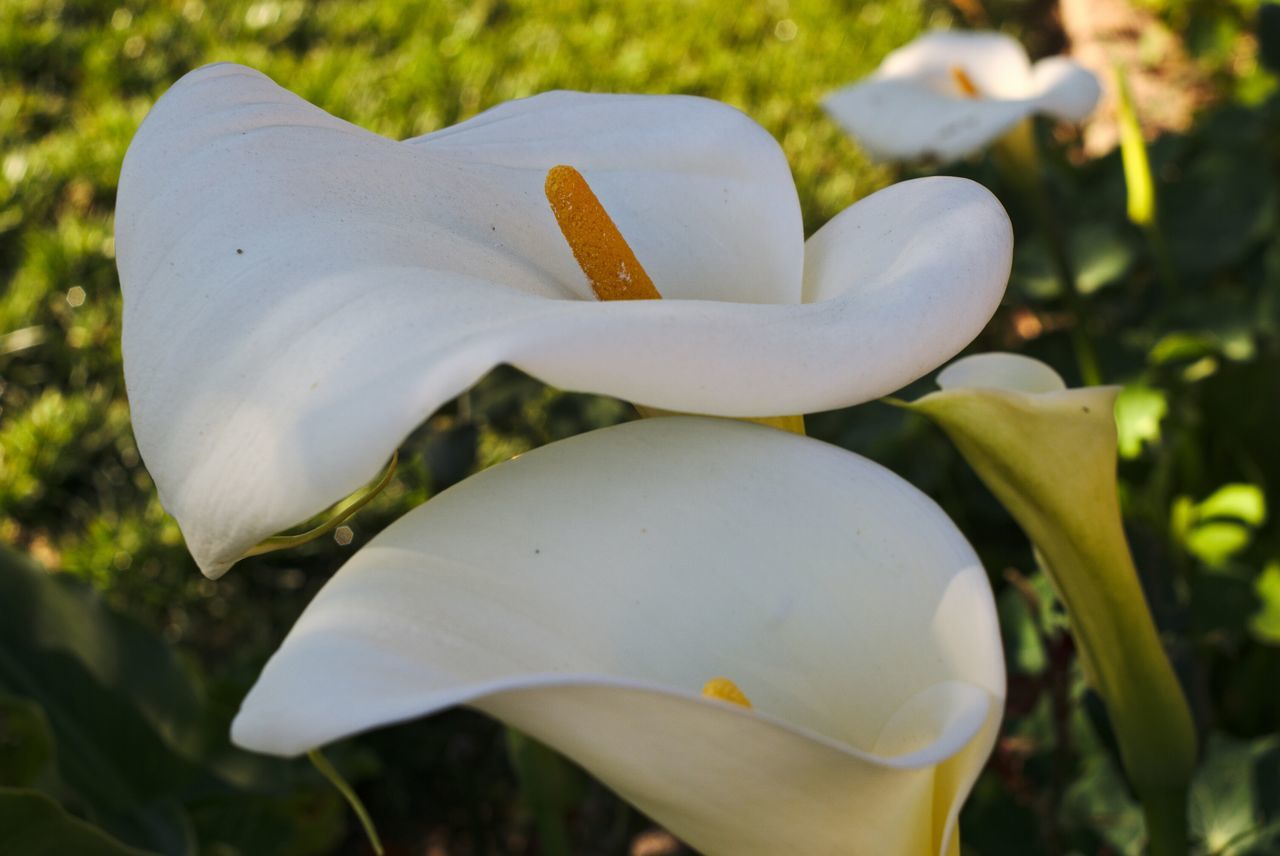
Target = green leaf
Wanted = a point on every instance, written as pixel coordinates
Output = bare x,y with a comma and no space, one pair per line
1221,525
1139,409
96,676
1265,623
26,741
59,613
1231,810
1217,208
31,824
1101,254
1244,502
1099,800
1216,542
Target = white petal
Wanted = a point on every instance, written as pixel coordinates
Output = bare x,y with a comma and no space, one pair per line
996,63
919,299
300,293
702,193
1009,372
910,119
1068,90
585,591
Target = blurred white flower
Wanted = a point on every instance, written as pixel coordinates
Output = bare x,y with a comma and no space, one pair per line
586,592
949,94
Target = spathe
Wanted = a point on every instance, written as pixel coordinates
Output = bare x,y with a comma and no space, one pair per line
585,591
1048,453
299,293
915,106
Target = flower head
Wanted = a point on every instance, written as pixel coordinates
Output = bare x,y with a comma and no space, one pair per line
1048,453
586,593
948,94
300,293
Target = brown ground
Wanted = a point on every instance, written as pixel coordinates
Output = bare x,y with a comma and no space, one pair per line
1167,86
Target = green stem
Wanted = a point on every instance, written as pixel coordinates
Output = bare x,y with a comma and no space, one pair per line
1164,262
332,518
1140,182
331,773
546,781
1017,155
1166,814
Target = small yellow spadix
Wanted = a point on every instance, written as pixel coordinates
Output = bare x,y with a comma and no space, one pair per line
603,254
724,689
964,82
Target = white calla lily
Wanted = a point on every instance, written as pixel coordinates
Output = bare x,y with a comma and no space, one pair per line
1048,453
948,94
584,593
300,293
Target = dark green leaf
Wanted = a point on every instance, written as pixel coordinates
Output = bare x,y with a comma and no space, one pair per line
26,741
82,664
31,824
58,613
1269,35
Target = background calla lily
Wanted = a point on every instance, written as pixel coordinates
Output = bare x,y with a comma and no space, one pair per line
300,293
584,592
1048,453
948,94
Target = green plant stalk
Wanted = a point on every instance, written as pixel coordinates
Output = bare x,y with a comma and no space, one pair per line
1017,156
321,763
1166,817
1160,252
1139,182
546,781
332,518
1050,459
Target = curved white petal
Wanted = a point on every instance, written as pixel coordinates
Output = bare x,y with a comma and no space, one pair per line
1067,90
301,293
913,108
997,64
910,119
917,300
1008,372
585,591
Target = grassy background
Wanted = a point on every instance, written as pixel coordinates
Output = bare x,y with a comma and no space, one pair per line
1200,409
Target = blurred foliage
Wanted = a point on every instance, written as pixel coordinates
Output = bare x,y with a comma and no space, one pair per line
121,722
97,711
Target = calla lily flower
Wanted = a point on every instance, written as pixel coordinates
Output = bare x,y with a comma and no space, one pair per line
584,592
300,293
949,94
1048,453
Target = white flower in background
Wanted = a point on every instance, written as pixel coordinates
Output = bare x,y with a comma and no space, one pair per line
586,592
949,94
300,293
